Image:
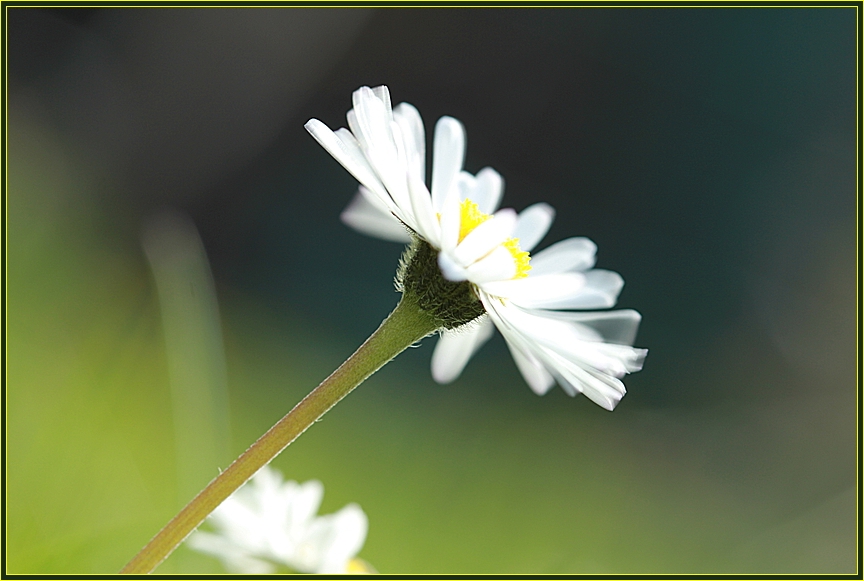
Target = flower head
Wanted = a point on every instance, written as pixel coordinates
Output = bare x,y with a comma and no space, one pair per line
484,274
269,522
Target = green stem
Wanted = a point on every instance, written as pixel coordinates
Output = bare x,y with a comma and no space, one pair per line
406,325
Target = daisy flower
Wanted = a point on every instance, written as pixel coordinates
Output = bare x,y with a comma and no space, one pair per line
269,523
470,262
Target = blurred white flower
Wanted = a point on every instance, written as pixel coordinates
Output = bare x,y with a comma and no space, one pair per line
586,352
268,523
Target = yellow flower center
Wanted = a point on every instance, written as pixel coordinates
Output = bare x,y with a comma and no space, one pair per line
520,257
357,566
471,217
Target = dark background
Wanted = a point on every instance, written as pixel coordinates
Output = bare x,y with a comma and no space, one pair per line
710,154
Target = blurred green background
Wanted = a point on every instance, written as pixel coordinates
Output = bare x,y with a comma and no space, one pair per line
710,153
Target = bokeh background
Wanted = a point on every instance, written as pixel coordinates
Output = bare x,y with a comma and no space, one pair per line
178,278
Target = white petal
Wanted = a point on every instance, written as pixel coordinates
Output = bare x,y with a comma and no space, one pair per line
366,218
383,203
383,94
466,185
305,504
411,123
240,523
538,291
348,529
356,130
455,348
617,327
497,265
370,122
535,375
601,291
627,359
380,138
391,170
348,154
534,372
485,237
598,289
488,187
569,254
604,390
594,355
451,217
425,221
266,479
373,182
604,281
579,365
451,271
235,560
447,159
399,167
533,224
575,342
372,114
571,387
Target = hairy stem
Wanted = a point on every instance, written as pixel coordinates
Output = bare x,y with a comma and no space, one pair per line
407,324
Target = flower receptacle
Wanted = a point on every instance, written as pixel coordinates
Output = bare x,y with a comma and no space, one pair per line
453,304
